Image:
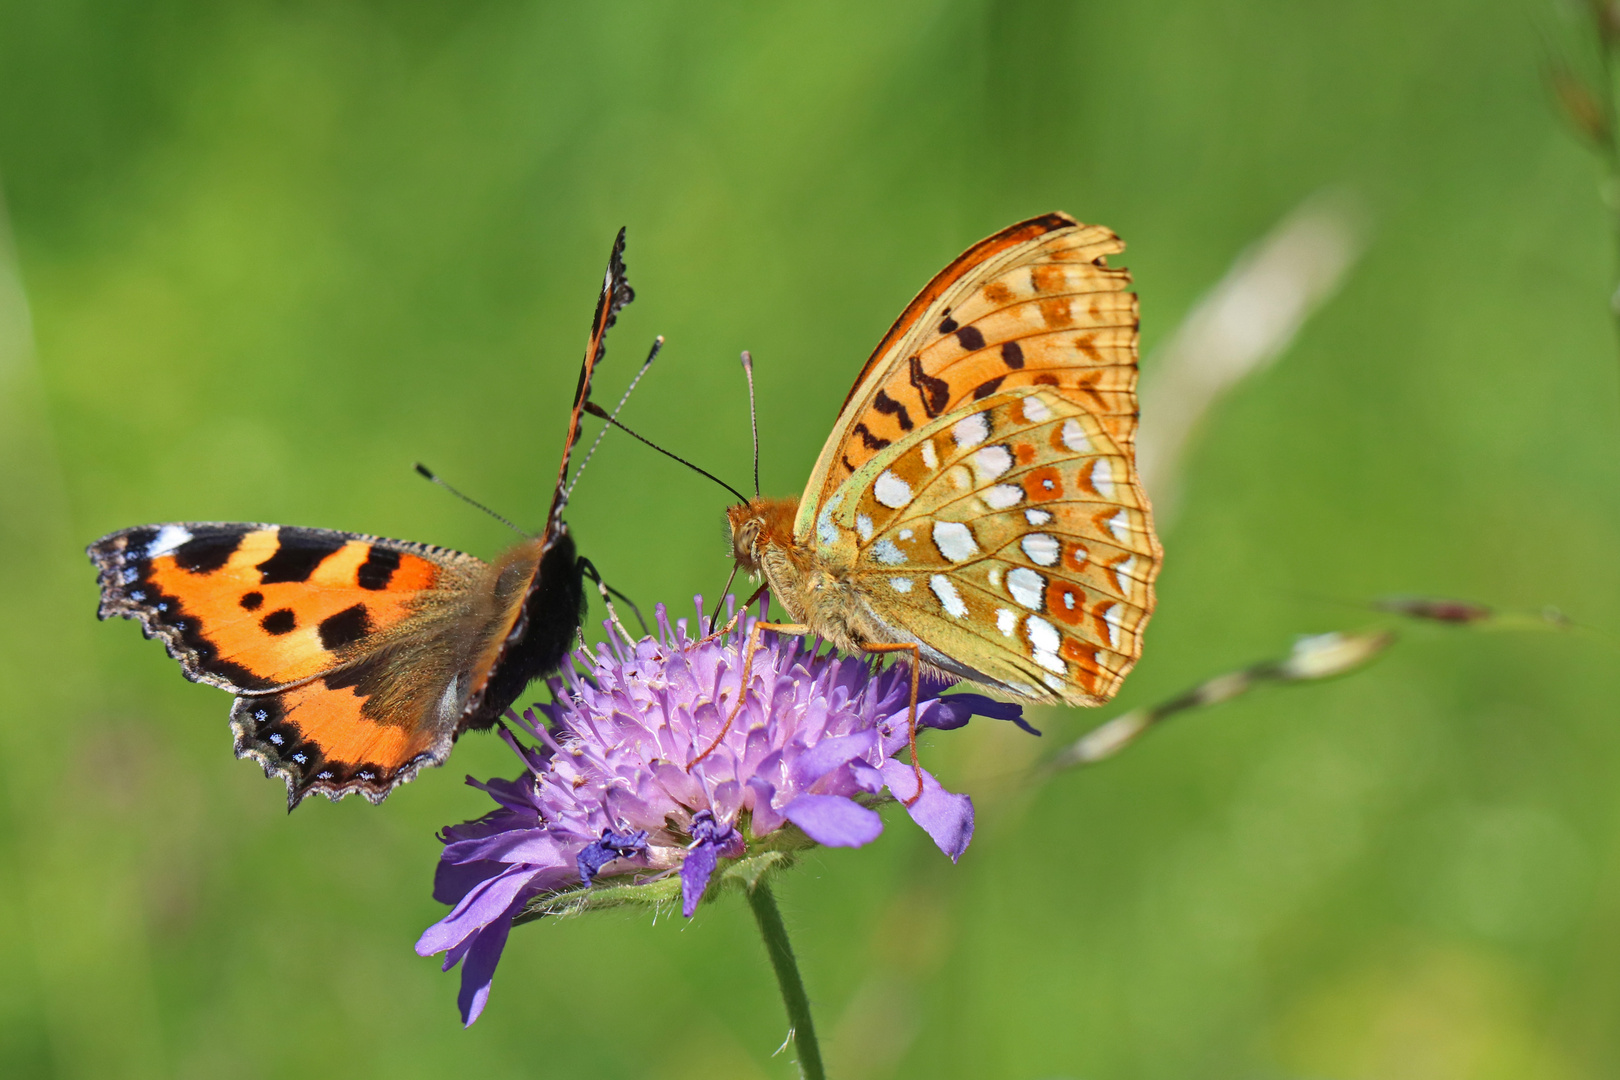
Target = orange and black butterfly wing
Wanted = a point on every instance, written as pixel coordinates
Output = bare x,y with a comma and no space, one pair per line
1034,305
340,647
356,660
537,626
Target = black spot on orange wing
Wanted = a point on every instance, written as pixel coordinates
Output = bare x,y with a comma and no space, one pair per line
988,387
379,567
252,601
365,676
299,552
280,621
948,324
345,628
970,338
885,404
871,441
1012,354
208,552
934,393
128,590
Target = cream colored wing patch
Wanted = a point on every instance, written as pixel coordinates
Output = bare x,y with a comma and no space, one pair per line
1011,538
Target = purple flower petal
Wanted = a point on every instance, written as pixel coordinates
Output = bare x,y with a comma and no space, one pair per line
612,845
518,846
696,869
834,820
485,904
765,818
828,754
454,880
949,713
605,774
479,970
946,817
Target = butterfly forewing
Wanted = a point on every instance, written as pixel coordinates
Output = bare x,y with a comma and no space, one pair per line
1011,539
1034,305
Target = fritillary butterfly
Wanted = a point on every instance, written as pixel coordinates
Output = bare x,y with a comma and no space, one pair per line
977,503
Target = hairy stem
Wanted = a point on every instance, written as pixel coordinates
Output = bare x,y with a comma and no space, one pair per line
802,1028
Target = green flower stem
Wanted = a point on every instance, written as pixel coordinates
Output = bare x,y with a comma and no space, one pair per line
771,929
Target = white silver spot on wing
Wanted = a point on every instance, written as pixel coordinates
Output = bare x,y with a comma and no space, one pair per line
168,538
1006,621
1120,526
1035,410
1074,437
1045,641
1002,496
1041,549
900,584
1053,681
905,534
930,458
995,577
1111,619
887,551
1037,517
1027,587
1068,599
955,540
1102,478
863,525
826,531
970,431
1123,572
991,462
891,491
948,598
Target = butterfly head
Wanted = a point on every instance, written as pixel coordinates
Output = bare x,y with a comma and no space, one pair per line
758,524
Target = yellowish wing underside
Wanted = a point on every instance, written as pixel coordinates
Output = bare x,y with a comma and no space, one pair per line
1034,305
1013,540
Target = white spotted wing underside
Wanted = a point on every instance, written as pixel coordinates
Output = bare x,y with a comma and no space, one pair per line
980,486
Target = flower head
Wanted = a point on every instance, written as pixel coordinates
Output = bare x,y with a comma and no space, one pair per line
607,794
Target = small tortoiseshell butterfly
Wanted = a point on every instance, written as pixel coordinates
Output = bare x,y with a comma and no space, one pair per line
355,660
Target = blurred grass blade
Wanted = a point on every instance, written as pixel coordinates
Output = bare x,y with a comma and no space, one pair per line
1244,323
1317,656
1466,613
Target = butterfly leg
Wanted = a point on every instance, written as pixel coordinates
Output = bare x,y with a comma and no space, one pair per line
911,718
747,671
731,623
586,568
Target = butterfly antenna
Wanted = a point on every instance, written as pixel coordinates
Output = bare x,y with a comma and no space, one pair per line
597,410
658,343
753,415
429,474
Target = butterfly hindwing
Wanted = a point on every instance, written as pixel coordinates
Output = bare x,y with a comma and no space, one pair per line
1011,540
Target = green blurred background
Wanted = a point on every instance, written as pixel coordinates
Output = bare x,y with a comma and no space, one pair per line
275,252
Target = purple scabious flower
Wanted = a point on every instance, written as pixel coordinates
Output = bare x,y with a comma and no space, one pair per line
607,794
